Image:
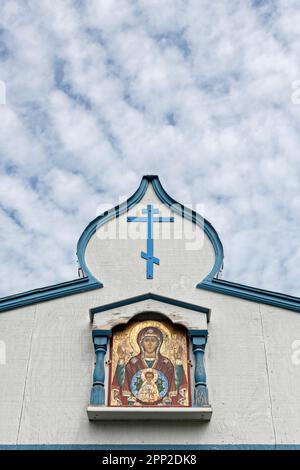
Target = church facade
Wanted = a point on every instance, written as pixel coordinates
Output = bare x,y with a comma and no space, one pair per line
150,347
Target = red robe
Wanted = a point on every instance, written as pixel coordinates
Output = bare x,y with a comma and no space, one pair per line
162,364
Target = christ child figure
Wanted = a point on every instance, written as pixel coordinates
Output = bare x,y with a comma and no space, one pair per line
148,392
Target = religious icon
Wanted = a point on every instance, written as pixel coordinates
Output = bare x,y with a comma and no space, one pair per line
148,391
149,366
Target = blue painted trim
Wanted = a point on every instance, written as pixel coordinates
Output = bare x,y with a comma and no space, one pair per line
97,333
150,447
43,294
254,294
200,390
196,333
76,286
196,219
103,219
210,283
98,388
149,295
191,333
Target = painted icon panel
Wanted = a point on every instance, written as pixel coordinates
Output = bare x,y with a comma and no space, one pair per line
149,365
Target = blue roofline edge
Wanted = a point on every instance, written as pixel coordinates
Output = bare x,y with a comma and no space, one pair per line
164,197
102,219
197,219
210,283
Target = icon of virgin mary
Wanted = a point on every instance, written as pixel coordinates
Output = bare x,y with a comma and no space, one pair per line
149,378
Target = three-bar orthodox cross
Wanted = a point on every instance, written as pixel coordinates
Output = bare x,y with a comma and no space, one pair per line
149,256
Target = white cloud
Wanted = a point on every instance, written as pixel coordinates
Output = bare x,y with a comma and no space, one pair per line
101,92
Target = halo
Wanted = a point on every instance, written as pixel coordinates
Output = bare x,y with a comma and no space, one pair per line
138,326
153,372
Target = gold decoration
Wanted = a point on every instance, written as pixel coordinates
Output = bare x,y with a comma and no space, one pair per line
149,365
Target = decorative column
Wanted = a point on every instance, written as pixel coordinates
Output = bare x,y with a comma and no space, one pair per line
98,391
200,392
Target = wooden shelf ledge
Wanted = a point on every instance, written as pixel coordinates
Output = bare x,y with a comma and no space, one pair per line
109,413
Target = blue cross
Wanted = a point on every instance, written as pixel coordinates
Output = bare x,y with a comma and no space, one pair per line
149,256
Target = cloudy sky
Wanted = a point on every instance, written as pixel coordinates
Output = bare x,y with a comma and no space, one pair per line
98,93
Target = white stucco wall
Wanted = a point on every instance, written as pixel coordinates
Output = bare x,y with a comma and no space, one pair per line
45,385
185,259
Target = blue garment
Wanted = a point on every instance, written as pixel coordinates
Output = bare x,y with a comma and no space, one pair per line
150,363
